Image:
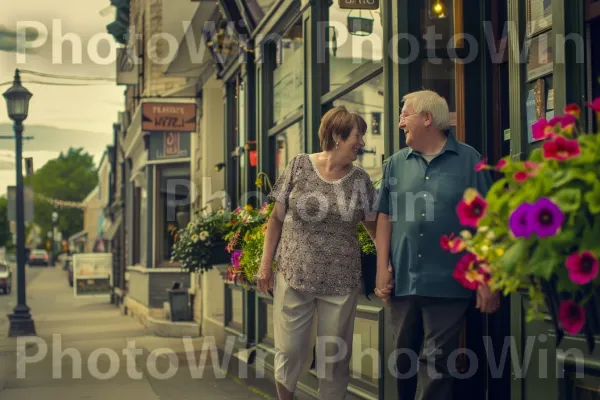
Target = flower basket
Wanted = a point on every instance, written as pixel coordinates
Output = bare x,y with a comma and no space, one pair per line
537,229
200,245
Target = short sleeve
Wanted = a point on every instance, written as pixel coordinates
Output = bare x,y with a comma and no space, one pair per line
284,184
382,203
483,181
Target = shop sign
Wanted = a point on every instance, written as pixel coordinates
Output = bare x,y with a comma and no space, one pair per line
359,4
92,274
169,145
169,117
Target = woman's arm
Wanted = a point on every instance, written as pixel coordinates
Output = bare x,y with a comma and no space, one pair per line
371,227
273,234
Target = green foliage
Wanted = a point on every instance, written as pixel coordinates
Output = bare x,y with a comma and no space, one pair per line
71,177
366,244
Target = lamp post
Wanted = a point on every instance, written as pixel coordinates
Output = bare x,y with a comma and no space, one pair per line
17,101
54,236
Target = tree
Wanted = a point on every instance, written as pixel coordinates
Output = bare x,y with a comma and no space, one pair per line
5,234
70,177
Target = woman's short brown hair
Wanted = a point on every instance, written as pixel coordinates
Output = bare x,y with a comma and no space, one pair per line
339,121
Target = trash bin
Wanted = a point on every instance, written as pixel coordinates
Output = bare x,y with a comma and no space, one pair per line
179,301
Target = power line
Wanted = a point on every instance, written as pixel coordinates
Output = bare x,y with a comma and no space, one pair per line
55,83
80,78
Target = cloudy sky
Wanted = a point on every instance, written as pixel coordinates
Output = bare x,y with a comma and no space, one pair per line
86,111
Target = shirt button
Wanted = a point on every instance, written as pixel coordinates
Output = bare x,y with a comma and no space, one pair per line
424,196
419,256
427,178
421,234
422,215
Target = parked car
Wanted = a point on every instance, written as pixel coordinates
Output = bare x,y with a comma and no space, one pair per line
5,278
39,257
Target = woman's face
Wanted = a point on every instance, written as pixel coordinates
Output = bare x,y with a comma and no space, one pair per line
352,146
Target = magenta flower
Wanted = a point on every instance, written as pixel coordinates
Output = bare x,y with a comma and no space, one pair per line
545,218
583,267
571,316
235,259
518,222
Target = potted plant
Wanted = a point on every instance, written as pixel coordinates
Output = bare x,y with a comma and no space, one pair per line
200,244
538,227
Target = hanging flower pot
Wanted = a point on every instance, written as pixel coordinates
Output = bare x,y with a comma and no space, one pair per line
360,25
253,156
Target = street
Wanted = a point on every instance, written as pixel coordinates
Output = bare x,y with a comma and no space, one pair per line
85,349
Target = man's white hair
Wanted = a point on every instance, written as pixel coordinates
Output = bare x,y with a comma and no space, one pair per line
431,102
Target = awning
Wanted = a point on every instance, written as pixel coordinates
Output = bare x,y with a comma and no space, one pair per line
78,236
111,230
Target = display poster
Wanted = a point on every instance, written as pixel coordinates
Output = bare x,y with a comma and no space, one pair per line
92,274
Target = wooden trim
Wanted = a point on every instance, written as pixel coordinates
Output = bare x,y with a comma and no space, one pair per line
459,88
458,12
592,11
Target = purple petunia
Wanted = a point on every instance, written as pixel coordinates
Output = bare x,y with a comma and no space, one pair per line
545,218
518,223
235,259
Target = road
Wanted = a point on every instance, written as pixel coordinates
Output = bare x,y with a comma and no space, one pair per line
8,302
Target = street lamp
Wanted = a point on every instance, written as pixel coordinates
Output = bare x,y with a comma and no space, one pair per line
54,236
17,101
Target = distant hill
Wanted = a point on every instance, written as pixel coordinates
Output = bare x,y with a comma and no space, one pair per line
51,138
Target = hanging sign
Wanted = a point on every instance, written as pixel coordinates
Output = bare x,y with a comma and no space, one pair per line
359,4
169,117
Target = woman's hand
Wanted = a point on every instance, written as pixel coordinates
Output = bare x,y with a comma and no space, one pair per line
264,277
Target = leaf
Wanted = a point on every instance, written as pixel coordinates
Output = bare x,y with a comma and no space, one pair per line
592,198
513,255
544,261
568,199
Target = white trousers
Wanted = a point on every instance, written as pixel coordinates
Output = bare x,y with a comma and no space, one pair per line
302,320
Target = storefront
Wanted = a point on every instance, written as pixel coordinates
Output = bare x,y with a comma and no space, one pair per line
283,63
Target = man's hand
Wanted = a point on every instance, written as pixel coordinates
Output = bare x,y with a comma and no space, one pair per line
487,301
384,284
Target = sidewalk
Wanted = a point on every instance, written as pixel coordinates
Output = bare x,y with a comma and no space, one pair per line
80,353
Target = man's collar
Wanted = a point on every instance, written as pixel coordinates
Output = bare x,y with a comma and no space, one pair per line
451,145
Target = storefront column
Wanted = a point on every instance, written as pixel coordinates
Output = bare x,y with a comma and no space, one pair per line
315,53
149,215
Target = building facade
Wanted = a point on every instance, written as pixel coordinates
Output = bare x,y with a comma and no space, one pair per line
261,75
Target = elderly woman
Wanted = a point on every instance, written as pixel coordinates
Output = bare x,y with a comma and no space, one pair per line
312,236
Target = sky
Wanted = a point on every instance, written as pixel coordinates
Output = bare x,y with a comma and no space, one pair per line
88,110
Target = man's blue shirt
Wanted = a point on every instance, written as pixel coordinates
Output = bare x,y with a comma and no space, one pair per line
421,198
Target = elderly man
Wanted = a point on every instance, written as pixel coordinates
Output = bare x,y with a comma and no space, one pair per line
422,184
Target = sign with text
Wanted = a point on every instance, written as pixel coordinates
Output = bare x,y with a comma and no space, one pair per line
127,67
169,117
169,145
359,4
12,202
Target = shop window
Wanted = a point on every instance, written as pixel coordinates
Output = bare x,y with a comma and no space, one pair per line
355,40
443,18
143,244
173,208
258,9
368,101
288,143
288,76
445,77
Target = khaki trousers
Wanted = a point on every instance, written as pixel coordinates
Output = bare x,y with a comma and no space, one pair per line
299,317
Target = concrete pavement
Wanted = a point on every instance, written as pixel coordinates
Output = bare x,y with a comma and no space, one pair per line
80,352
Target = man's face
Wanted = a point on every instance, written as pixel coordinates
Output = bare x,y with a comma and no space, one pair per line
411,123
